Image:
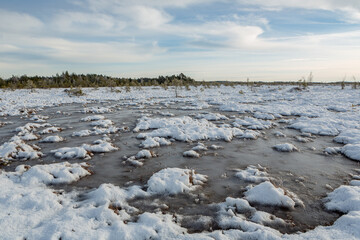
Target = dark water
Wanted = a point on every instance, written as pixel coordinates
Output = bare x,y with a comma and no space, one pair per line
305,173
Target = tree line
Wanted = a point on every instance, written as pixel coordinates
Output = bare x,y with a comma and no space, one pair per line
66,80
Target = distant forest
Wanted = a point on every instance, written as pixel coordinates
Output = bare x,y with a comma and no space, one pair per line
66,80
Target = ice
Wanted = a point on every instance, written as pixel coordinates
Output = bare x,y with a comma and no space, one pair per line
285,147
267,194
174,181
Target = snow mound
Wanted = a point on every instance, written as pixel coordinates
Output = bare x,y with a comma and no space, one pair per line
97,110
253,174
174,181
267,194
92,118
18,149
151,142
52,139
348,136
144,154
50,130
211,116
253,123
320,126
185,129
31,127
266,218
56,173
264,116
352,151
333,150
95,131
285,147
191,153
102,123
99,146
71,152
344,199
279,134
200,147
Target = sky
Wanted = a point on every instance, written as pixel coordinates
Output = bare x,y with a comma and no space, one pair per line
277,40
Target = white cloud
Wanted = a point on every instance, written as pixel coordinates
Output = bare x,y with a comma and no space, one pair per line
350,9
18,22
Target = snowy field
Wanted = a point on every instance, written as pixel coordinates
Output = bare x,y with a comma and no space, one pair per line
214,163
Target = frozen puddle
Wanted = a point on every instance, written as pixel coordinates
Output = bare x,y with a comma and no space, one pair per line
181,168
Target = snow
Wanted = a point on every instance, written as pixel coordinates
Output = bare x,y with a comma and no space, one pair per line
174,181
267,194
285,147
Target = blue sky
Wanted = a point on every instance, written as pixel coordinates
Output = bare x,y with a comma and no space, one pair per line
205,39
